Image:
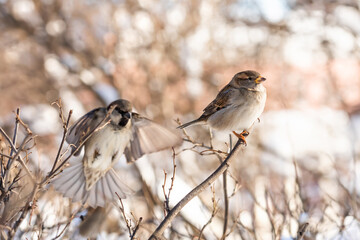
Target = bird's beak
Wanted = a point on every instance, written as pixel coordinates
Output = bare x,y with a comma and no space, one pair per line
259,79
126,115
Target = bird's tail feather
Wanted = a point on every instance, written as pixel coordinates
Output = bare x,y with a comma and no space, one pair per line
71,183
194,122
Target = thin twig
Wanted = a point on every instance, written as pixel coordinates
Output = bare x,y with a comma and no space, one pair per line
66,226
213,212
122,210
184,131
7,139
27,129
17,157
136,228
15,134
196,191
167,196
226,197
173,175
196,144
65,126
270,214
23,164
166,205
132,231
231,229
15,150
5,227
5,155
23,213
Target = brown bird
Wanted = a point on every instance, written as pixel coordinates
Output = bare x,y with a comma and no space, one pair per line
237,105
93,179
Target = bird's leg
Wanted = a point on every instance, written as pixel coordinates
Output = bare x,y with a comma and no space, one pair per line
242,135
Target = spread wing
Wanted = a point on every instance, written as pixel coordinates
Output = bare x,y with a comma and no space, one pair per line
80,130
148,137
221,101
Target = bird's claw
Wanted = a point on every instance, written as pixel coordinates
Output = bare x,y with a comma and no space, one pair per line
242,136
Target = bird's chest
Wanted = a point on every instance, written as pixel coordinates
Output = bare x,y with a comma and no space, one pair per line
105,148
249,110
241,113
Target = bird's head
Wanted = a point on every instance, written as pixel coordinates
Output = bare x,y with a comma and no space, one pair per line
248,79
121,113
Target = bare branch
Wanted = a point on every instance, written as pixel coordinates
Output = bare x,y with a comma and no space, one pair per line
196,191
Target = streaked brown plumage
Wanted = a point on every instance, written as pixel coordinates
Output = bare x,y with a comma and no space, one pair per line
236,106
93,179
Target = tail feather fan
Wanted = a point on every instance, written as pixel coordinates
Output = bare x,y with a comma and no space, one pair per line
71,182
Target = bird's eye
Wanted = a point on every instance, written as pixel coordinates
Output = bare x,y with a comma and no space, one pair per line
117,109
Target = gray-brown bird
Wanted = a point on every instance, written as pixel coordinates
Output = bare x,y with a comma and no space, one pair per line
93,179
237,105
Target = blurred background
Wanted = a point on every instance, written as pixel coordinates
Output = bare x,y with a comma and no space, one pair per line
170,58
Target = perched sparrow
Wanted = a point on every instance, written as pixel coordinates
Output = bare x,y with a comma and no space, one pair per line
237,105
93,179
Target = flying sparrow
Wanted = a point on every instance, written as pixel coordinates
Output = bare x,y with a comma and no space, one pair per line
237,105
93,179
